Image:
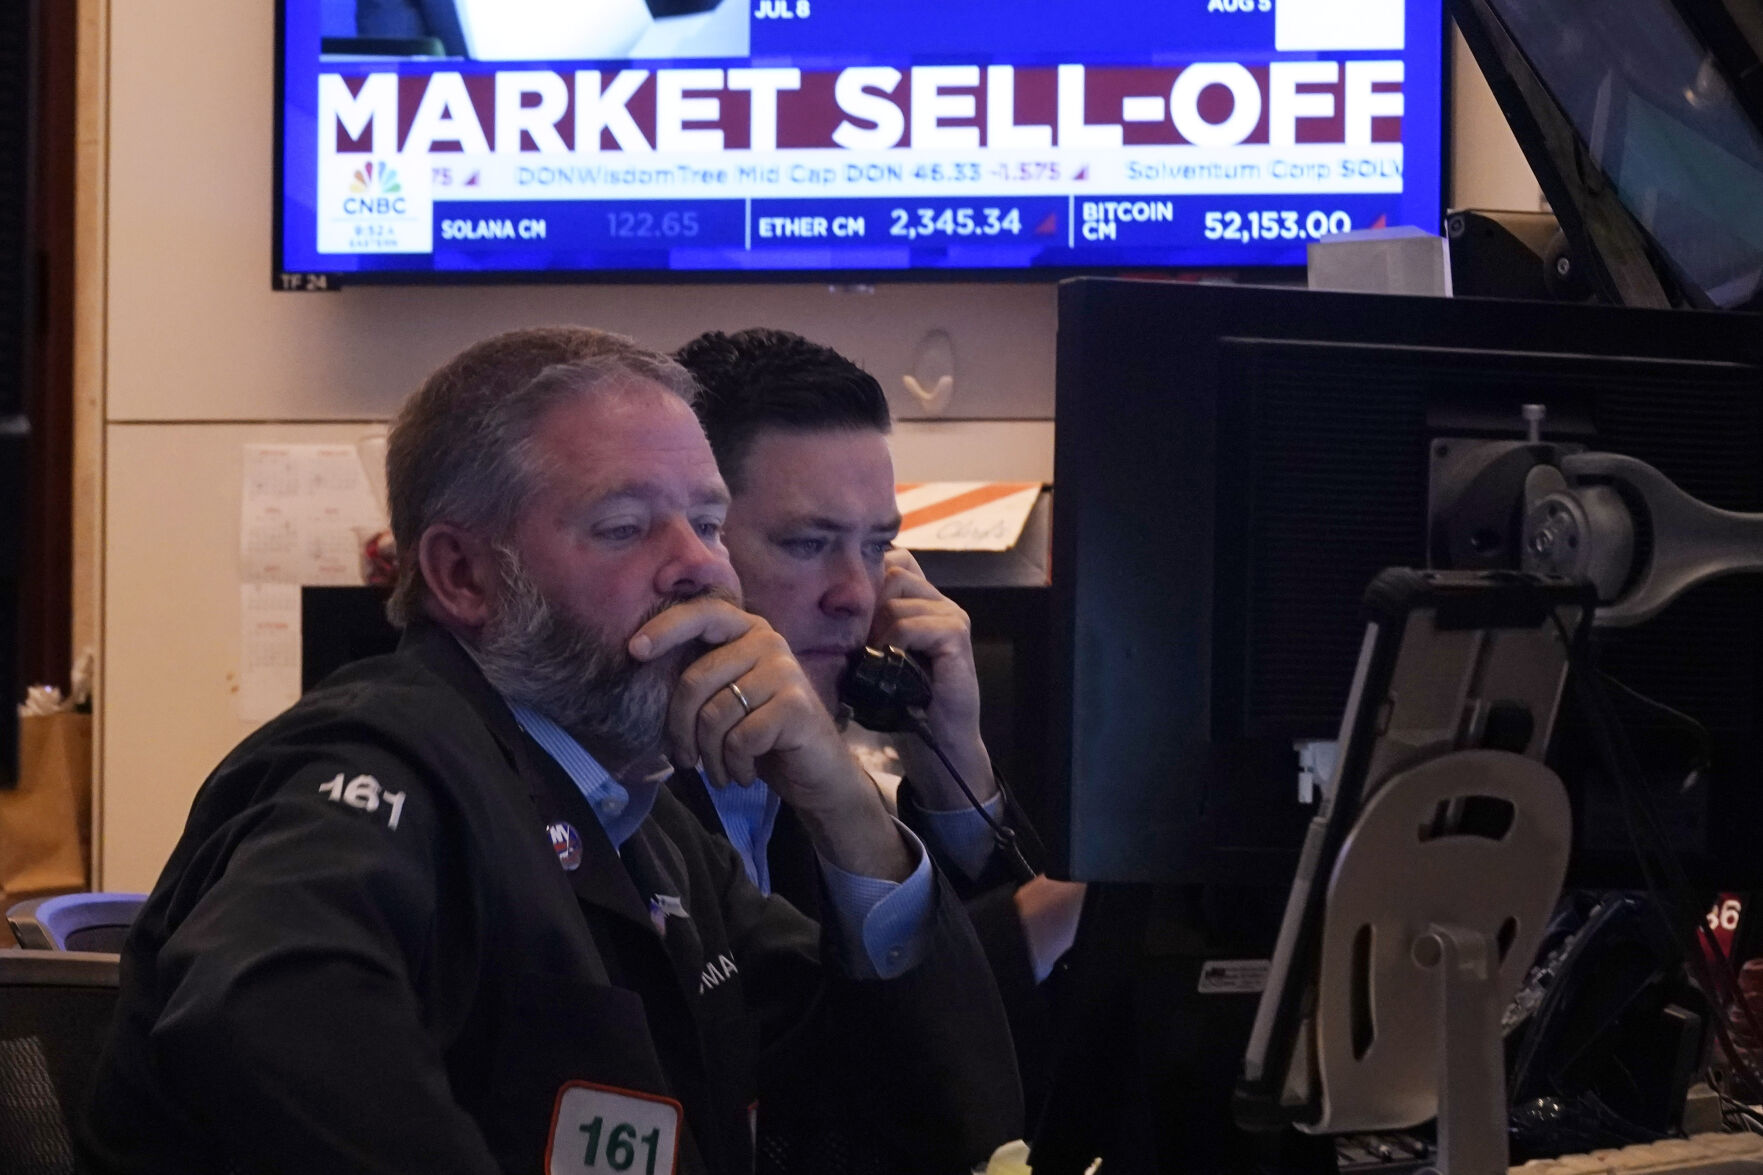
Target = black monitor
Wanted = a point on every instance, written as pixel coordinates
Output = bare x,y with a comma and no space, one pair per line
1643,121
1233,466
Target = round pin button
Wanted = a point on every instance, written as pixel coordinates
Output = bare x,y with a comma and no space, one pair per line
566,842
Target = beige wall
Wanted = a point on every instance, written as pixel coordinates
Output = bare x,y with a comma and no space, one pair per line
189,355
1487,168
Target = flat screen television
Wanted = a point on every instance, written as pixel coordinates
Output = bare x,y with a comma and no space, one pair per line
520,140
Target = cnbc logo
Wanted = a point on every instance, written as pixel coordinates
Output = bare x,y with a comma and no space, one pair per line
374,204
374,190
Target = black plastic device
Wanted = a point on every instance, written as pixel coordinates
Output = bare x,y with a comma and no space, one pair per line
883,687
887,691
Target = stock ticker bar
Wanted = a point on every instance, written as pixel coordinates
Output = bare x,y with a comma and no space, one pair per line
1051,229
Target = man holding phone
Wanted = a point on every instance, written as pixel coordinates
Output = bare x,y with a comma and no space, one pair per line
800,434
445,915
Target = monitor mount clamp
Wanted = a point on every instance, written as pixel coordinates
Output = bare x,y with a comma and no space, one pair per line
1559,509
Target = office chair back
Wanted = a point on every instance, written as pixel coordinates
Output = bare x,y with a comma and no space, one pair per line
55,1012
75,922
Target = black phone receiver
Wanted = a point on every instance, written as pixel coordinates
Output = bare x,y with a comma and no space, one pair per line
887,691
882,687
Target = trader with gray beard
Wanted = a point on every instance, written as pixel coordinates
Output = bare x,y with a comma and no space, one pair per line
443,916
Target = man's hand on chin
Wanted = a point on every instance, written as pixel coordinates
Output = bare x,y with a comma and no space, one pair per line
745,710
913,615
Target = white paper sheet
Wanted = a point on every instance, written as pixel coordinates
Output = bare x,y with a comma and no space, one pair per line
305,510
964,515
269,649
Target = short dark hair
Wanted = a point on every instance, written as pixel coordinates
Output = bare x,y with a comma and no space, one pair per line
760,379
460,449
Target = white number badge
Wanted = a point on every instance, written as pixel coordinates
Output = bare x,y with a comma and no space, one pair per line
596,1129
364,794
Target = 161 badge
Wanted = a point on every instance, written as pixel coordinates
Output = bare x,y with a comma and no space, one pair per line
601,1130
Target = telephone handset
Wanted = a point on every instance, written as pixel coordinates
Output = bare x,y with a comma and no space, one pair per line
882,687
887,691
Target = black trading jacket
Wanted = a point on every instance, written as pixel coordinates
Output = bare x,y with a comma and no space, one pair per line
395,975
989,899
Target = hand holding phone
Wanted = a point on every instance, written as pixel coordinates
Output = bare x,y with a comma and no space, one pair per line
912,615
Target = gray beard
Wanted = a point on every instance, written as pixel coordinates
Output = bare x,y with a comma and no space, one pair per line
538,655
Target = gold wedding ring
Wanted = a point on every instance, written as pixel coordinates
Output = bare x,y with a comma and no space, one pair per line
746,706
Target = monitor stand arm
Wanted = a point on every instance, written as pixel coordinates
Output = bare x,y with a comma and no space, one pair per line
1578,522
1472,1076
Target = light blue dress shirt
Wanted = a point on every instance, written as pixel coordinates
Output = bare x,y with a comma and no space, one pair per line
963,834
749,813
891,919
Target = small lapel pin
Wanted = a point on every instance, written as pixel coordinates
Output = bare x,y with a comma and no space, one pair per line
662,907
566,842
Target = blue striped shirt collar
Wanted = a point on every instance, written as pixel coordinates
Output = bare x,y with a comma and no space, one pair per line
620,805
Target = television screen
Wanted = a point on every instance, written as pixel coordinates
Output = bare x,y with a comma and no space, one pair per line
518,138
